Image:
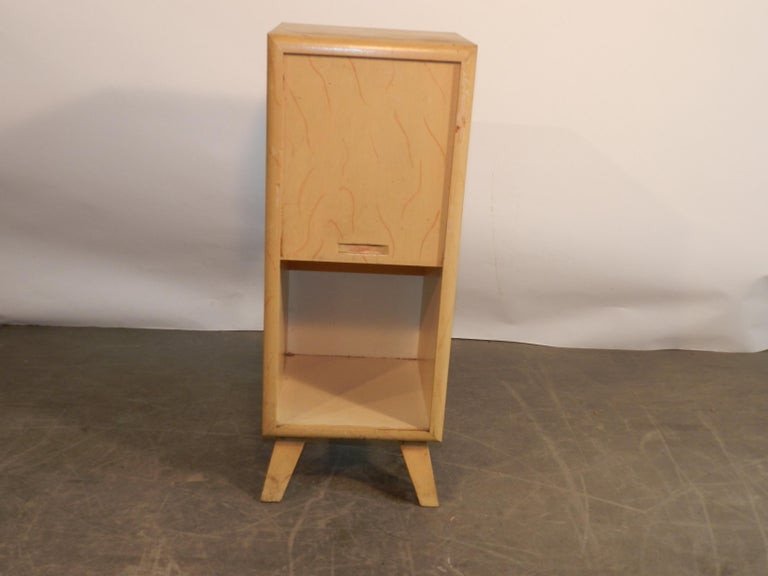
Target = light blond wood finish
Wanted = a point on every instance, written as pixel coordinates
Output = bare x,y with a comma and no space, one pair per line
452,238
349,432
373,43
285,455
366,159
373,393
341,313
419,464
274,287
367,162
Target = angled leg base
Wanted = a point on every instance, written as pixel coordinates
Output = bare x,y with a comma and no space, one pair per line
285,455
419,464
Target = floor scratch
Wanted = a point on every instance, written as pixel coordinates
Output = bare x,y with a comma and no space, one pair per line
300,521
576,500
742,480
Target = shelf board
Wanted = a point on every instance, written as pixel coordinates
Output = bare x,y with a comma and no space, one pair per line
370,393
359,267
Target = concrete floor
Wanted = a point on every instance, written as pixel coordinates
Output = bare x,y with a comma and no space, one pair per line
137,452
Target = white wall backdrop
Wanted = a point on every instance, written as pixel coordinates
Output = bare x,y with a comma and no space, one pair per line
617,194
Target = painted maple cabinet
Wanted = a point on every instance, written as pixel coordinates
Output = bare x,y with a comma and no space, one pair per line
367,135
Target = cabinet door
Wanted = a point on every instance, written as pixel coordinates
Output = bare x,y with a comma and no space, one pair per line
368,145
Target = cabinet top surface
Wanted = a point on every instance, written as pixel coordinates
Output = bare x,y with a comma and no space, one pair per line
303,35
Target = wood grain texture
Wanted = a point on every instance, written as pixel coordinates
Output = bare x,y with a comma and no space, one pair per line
368,133
373,393
372,42
368,159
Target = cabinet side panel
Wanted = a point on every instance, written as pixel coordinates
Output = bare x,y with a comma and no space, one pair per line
274,333
430,315
465,89
430,311
367,166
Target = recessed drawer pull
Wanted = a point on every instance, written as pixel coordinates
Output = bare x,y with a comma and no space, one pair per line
347,248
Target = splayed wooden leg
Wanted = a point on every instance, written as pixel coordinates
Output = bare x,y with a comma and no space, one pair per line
285,455
419,464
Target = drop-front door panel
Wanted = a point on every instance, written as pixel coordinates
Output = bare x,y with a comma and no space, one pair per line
368,149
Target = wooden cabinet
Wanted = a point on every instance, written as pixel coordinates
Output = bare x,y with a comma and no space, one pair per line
367,138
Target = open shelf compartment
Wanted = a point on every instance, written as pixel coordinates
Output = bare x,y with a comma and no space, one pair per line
379,393
358,352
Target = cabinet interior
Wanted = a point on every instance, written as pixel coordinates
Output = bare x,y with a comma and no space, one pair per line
359,345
